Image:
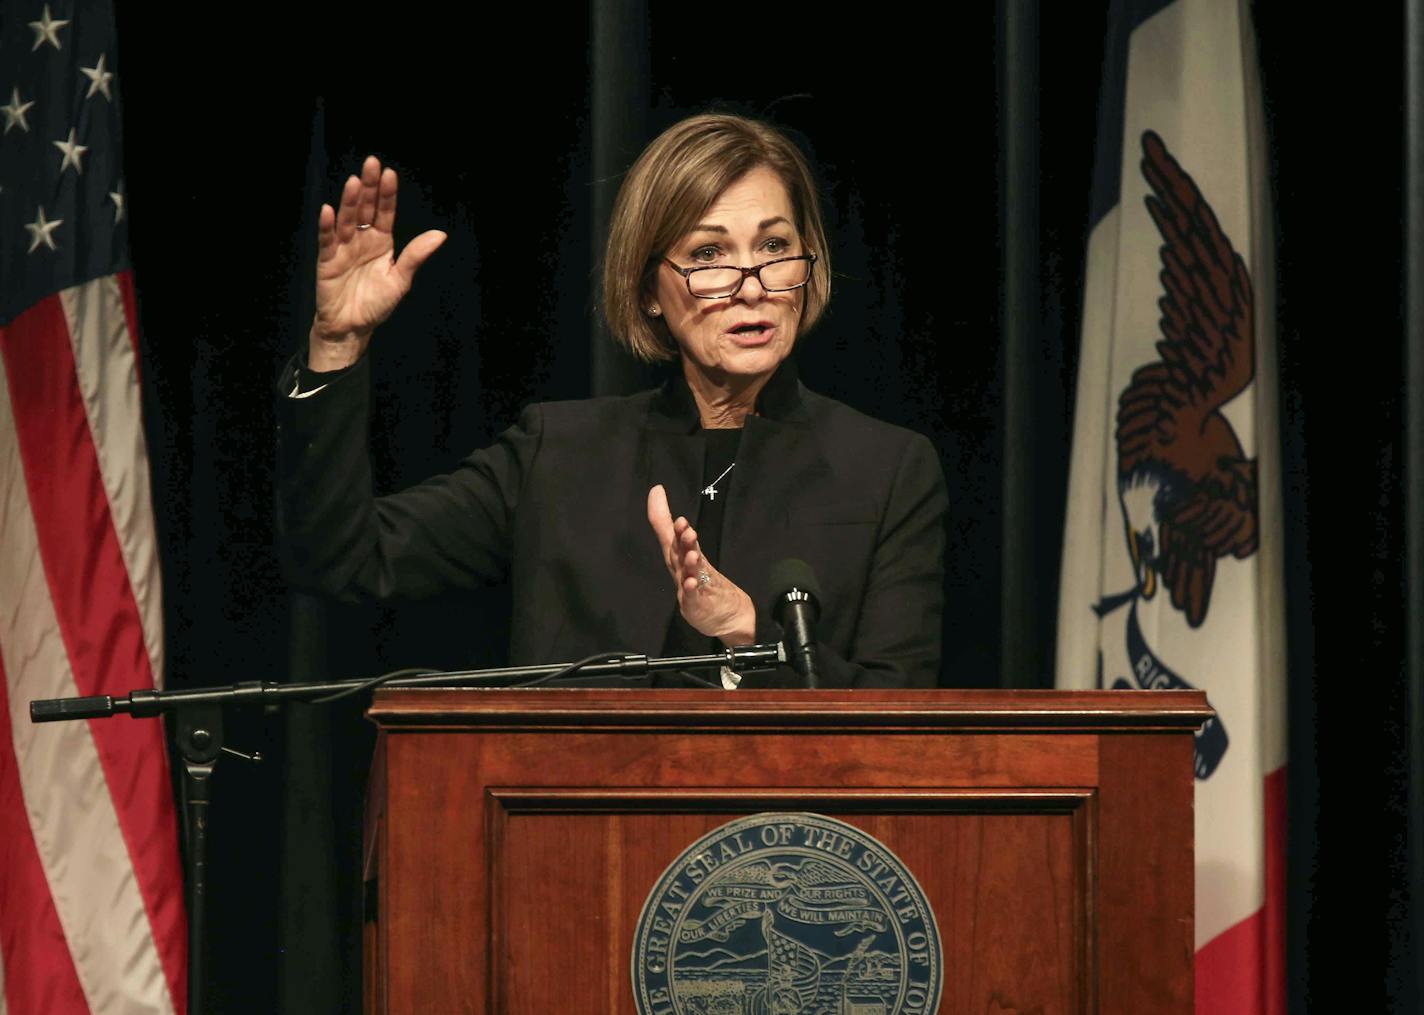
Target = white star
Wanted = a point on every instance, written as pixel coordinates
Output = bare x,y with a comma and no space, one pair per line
117,196
40,231
72,152
99,78
15,112
46,30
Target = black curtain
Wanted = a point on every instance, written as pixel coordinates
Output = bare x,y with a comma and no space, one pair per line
510,126
1337,154
1407,927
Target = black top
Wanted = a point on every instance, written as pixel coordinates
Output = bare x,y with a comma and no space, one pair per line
716,494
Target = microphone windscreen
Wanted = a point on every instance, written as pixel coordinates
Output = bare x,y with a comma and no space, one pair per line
789,574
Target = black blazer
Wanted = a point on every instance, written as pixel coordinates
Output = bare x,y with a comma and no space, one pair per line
557,506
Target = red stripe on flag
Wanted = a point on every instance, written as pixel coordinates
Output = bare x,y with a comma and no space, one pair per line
94,603
39,971
1228,970
1241,971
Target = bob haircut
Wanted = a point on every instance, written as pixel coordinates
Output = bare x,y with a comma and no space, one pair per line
674,181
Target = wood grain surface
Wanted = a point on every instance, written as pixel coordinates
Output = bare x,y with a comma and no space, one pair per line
519,834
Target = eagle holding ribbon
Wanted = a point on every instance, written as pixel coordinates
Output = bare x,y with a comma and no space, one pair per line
1186,488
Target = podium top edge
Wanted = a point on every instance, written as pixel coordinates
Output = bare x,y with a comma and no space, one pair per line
1134,711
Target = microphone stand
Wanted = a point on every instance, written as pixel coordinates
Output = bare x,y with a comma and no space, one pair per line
198,733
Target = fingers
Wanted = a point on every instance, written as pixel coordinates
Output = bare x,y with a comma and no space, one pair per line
660,518
692,579
346,220
716,608
687,547
681,552
385,217
358,199
370,186
326,232
691,564
370,200
417,251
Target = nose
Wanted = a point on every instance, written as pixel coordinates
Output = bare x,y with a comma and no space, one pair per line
752,279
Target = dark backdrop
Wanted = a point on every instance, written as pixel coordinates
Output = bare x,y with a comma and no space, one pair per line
509,125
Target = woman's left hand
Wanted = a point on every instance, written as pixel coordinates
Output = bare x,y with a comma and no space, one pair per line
713,606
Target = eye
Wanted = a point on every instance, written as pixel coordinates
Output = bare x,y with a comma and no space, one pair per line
776,246
707,254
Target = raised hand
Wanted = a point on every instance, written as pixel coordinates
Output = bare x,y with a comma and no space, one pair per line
713,605
359,281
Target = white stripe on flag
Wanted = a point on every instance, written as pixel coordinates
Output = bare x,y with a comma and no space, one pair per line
108,383
67,801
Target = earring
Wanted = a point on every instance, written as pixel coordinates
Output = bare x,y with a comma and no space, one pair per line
654,310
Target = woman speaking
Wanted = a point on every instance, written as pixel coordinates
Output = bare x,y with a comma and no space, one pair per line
650,522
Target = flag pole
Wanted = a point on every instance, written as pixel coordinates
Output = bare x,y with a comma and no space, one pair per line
1412,960
1021,660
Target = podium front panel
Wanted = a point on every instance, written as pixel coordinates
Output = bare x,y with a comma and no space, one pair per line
518,839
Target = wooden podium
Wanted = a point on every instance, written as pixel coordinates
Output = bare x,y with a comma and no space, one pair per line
513,836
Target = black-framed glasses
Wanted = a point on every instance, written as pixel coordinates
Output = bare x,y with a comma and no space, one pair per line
718,281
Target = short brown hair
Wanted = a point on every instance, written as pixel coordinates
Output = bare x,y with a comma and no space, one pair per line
672,183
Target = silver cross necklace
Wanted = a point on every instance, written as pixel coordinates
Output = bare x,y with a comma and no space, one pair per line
710,491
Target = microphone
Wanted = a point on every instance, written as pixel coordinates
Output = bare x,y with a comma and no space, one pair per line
797,607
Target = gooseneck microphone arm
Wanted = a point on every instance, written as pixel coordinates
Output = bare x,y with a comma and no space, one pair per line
148,702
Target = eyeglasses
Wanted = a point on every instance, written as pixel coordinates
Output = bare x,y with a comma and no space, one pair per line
718,281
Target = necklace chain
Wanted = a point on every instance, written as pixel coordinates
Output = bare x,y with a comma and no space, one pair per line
710,490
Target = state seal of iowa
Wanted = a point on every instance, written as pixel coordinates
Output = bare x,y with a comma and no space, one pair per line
787,914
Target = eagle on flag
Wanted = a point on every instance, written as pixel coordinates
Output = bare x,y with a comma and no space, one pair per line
1186,488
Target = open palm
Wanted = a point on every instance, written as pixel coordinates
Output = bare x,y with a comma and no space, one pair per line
710,602
359,281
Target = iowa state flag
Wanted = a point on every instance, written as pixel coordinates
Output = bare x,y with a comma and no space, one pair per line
1172,570
91,895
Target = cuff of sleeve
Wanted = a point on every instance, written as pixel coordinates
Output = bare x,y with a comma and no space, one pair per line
296,380
309,379
767,630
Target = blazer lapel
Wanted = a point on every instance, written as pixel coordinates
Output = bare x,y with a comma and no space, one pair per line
671,455
776,463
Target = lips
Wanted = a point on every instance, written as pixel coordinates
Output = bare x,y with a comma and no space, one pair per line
752,332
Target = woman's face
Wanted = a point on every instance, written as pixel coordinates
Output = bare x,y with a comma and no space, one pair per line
747,334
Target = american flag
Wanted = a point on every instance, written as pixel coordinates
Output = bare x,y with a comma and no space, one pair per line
91,899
